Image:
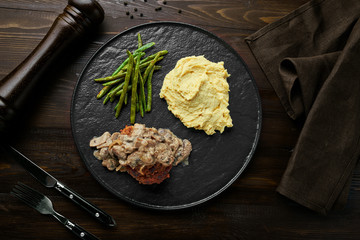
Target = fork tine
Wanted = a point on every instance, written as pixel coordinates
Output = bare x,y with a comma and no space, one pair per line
27,194
24,199
28,190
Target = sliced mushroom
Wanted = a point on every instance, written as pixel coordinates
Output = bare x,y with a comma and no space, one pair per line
96,141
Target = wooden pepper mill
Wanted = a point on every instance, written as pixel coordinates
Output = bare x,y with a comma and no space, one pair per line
77,18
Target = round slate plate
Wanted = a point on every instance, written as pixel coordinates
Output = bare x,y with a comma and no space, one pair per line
215,162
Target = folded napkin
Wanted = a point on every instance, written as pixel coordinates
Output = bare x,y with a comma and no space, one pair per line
311,58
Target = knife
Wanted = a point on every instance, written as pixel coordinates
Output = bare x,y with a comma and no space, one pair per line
49,181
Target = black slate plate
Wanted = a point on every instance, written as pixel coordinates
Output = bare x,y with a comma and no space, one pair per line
215,162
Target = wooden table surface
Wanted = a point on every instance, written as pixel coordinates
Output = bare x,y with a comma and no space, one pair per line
249,209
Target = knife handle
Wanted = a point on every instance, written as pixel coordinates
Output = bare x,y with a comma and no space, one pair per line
74,228
92,209
79,231
78,17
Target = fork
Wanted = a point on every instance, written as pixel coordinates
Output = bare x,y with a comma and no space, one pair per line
44,205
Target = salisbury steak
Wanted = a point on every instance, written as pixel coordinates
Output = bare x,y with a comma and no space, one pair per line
147,154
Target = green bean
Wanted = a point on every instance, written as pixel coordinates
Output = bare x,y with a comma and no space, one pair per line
140,102
103,91
163,52
144,47
137,104
144,65
126,97
132,75
140,43
106,99
126,84
113,82
142,91
118,93
112,77
112,92
149,88
157,67
119,74
150,66
134,91
120,71
108,96
116,89
123,64
117,105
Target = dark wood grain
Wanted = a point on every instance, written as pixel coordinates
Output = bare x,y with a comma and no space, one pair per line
249,209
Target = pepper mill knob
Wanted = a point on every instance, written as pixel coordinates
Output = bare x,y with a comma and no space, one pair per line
78,17
90,8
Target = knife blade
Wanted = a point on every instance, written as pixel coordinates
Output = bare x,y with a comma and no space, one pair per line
51,182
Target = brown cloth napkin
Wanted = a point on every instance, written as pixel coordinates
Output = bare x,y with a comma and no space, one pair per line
311,57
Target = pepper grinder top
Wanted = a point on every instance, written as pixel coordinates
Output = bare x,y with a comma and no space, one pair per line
90,8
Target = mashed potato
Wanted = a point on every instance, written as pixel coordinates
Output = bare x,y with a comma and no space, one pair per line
197,93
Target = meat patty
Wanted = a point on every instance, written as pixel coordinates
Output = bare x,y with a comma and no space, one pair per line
150,174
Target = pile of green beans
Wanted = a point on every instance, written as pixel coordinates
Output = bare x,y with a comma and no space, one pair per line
132,77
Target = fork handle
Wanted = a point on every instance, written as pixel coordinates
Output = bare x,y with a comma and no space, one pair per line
79,231
75,228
